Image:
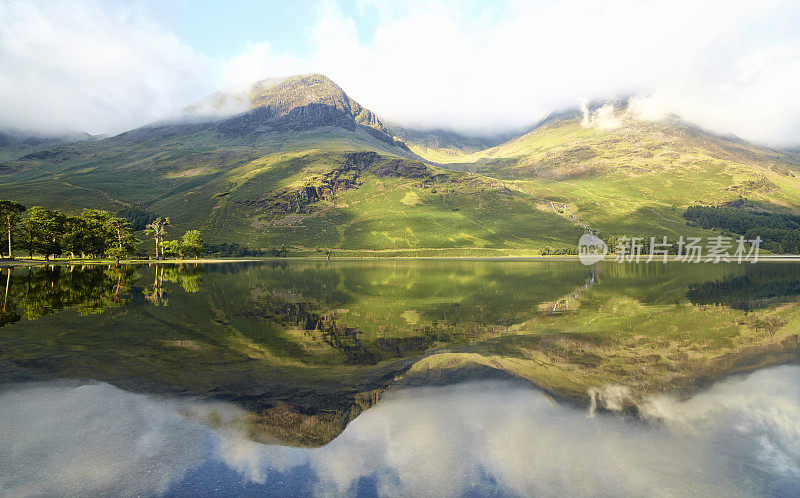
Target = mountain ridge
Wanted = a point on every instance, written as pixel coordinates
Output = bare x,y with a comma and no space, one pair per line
302,164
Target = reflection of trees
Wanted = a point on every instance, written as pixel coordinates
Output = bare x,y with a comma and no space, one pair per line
745,292
8,314
89,290
154,294
44,291
189,278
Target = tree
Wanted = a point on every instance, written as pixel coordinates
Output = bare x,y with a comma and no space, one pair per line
75,238
158,229
45,230
171,248
9,213
96,233
123,242
192,244
99,234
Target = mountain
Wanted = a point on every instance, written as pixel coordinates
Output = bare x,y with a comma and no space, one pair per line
291,103
291,161
609,169
296,162
440,145
17,143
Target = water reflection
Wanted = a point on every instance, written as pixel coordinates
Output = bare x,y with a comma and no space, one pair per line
45,291
759,287
739,437
64,438
304,348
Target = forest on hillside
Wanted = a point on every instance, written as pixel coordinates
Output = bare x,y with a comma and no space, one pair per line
779,232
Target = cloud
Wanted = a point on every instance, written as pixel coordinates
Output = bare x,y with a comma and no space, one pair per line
605,117
739,437
762,407
66,439
260,62
89,66
729,66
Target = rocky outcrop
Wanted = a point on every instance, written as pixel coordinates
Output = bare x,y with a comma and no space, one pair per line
301,199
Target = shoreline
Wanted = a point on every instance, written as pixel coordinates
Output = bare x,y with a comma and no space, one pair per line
25,262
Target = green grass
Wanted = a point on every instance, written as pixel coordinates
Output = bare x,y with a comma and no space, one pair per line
635,180
639,178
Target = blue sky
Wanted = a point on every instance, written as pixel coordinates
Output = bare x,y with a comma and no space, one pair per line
223,29
104,66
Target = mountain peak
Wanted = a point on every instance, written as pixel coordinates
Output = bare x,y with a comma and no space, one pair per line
300,89
283,95
279,97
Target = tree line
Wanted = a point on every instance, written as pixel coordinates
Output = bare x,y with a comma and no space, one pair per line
94,233
780,232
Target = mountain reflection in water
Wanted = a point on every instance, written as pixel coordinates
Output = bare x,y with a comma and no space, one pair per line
384,378
303,348
739,437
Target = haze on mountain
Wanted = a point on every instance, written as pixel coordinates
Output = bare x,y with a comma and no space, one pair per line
296,162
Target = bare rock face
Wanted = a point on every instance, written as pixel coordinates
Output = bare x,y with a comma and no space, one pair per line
301,199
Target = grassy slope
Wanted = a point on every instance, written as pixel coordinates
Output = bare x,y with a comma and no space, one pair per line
638,178
202,180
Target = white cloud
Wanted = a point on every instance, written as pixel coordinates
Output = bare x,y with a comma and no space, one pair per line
740,437
87,66
260,62
731,66
605,118
62,439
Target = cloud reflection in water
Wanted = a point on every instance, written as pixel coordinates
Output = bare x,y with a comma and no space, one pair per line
741,436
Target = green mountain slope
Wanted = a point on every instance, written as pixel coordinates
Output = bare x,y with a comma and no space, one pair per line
304,165
621,175
296,162
16,143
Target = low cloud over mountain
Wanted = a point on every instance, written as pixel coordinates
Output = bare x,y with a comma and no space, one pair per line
732,67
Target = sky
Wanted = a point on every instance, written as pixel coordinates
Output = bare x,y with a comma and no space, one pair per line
474,67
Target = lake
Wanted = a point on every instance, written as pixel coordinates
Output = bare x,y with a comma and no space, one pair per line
401,377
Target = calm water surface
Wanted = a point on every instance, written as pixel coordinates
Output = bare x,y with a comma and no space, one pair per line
401,378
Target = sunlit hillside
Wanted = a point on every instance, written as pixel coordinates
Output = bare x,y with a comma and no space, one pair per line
619,174
295,162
